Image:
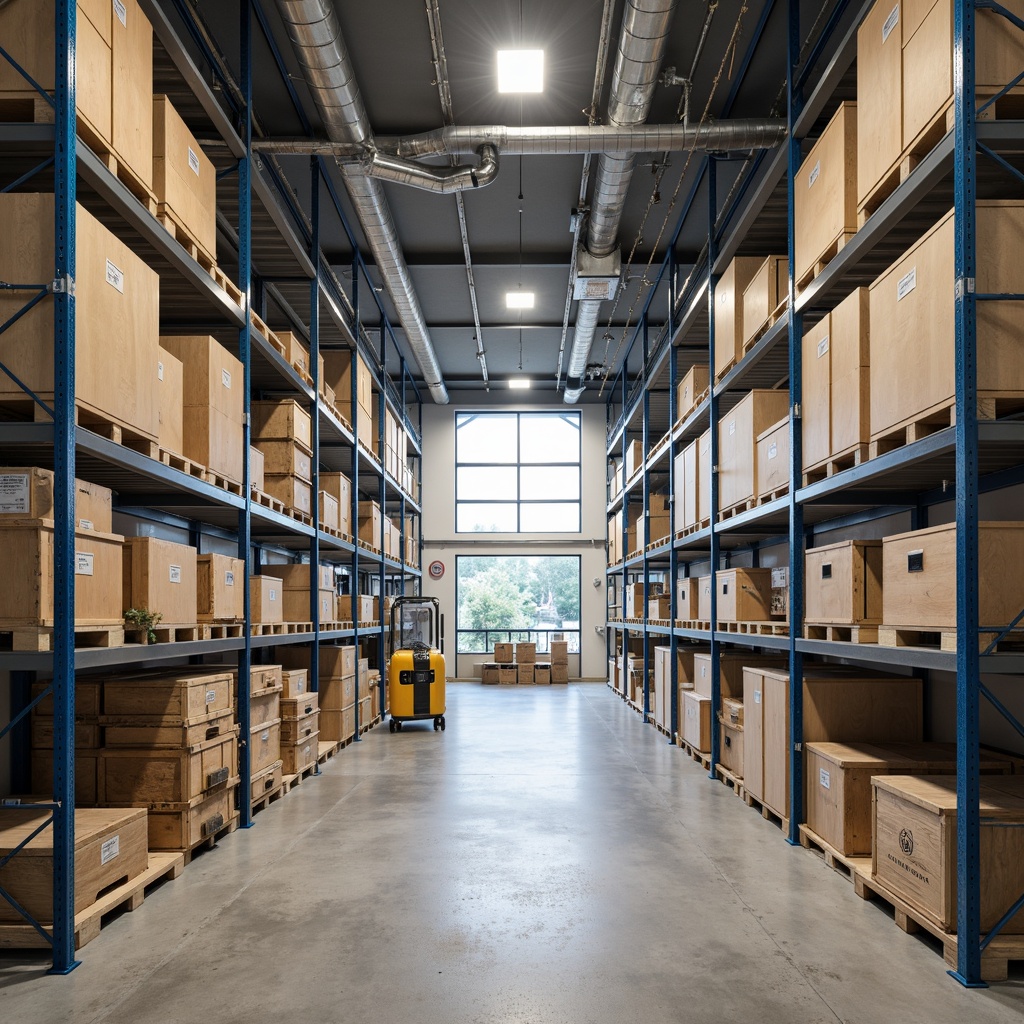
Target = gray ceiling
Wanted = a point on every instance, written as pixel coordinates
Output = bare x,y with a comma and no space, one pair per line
516,241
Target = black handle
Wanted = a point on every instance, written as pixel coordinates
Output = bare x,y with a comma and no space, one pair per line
826,571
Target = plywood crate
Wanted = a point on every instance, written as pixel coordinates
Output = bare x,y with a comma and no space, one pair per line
328,509
266,599
297,609
282,420
299,707
825,195
634,458
915,855
730,746
264,707
86,773
340,488
281,458
110,849
257,468
114,80
295,684
296,576
26,552
694,383
169,697
88,694
293,491
688,483
729,290
919,583
160,576
117,300
744,595
297,730
297,353
128,732
26,492
268,781
843,583
213,403
88,733
299,756
695,715
731,668
338,375
220,581
764,293
773,460
687,602
361,606
265,745
184,178
703,478
336,693
156,775
912,322
738,431
704,598
370,523
184,826
170,402
264,677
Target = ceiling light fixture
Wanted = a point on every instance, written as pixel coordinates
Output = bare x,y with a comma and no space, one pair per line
519,300
519,383
520,71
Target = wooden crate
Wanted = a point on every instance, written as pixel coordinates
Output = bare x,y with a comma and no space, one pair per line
117,300
286,458
694,383
695,715
730,746
692,486
340,488
27,493
88,694
370,523
283,420
338,725
265,677
268,781
184,178
134,732
729,334
773,460
293,491
257,468
110,848
296,605
336,694
301,754
919,577
914,852
160,576
220,581
213,403
634,458
86,773
26,552
738,431
524,674
732,665
338,375
328,508
297,353
704,477
301,706
912,319
265,745
266,600
155,775
88,733
172,697
361,606
170,402
184,826
843,583
295,684
687,602
825,195
296,576
704,598
264,707
816,360
766,290
744,595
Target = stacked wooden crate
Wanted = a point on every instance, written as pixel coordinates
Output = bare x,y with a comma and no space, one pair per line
265,728
160,577
221,588
338,487
300,732
371,525
339,368
88,740
336,698
295,583
282,430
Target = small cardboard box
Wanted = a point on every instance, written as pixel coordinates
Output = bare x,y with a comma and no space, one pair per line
559,652
542,673
525,673
507,674
559,673
503,654
526,654
489,673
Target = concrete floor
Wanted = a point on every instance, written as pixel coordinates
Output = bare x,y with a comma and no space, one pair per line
546,860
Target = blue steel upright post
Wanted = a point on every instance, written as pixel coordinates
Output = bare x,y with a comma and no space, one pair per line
314,371
65,197
645,525
244,354
796,510
968,678
672,718
716,654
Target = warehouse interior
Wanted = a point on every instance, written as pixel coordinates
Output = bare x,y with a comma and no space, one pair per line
618,400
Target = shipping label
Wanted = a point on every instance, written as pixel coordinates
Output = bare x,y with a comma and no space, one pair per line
122,12
110,849
823,346
773,450
824,778
815,171
211,696
225,378
84,563
86,524
193,161
907,283
229,578
174,573
891,22
14,494
159,370
115,277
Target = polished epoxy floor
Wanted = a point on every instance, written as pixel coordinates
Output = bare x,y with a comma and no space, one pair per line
546,860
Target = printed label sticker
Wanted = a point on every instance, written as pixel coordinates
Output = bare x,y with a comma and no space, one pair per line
14,493
84,563
773,450
193,161
907,283
229,578
823,346
211,696
110,849
115,277
122,12
174,572
815,171
891,22
824,778
86,524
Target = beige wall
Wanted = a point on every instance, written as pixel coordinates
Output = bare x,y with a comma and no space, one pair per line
440,541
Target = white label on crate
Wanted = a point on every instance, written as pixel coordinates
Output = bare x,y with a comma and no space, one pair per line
779,577
84,563
159,370
273,595
732,427
225,378
824,778
174,573
86,524
823,346
907,283
757,696
115,277
14,493
891,22
773,450
211,696
703,671
265,735
723,298
122,16
306,750
110,849
229,578
193,161
815,171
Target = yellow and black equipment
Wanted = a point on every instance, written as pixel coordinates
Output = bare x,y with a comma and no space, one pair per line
416,664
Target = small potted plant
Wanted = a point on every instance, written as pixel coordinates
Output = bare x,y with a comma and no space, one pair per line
145,621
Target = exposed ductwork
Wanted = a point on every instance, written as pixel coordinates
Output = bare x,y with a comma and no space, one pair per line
645,27
443,180
316,37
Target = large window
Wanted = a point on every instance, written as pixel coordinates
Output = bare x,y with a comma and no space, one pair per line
517,472
514,599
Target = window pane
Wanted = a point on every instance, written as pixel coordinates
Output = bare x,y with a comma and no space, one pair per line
485,437
539,482
550,437
485,518
483,483
550,517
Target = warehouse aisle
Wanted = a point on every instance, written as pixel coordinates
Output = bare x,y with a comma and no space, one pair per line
547,860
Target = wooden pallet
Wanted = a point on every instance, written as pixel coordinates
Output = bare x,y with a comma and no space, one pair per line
773,318
225,483
737,510
367,726
733,781
945,639
291,781
836,464
691,530
267,501
769,496
369,547
221,630
763,628
266,799
697,624
664,732
327,750
765,811
210,841
174,461
40,638
184,237
226,285
297,627
172,633
995,960
88,922
831,252
704,760
867,634
847,866
298,515
267,629
261,328
724,372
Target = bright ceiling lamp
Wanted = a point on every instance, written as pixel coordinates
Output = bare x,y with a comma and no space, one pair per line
520,71
519,383
519,300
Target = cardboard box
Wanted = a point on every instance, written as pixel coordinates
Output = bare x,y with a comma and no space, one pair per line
738,431
220,582
525,674
170,402
843,583
559,673
507,674
695,716
634,458
489,673
161,576
729,333
764,293
27,493
773,460
542,673
282,420
559,653
526,653
690,388
266,599
503,654
213,403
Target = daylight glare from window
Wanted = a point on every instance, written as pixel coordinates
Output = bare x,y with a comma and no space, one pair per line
517,472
